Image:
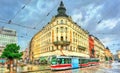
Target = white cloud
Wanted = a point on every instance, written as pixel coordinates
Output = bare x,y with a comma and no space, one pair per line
106,41
77,17
107,24
92,12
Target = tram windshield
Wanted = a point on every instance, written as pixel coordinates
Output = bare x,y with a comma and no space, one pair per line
54,60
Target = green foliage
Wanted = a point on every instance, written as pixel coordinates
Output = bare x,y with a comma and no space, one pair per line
11,51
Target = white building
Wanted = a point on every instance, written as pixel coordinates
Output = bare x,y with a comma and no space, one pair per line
7,36
118,52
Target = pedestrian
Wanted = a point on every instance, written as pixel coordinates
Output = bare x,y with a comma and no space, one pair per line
8,66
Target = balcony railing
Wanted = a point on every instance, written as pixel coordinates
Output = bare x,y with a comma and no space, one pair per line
64,43
81,47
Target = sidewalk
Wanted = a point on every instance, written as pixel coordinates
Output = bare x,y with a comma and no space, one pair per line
34,68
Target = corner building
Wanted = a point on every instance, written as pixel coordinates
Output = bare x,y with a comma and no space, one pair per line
61,36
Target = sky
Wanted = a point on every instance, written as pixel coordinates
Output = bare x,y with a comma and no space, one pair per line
100,18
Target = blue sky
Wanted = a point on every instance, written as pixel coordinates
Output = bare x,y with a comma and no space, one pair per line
100,17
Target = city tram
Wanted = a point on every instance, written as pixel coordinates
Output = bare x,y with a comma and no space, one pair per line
66,62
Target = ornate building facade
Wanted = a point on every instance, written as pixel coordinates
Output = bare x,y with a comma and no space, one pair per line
99,49
96,48
61,36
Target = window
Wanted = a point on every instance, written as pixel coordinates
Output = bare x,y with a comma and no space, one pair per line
66,38
57,38
61,29
57,22
59,61
57,47
61,22
61,38
66,29
52,48
61,46
70,48
57,29
63,61
66,48
66,21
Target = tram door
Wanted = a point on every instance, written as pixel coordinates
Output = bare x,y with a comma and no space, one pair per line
75,63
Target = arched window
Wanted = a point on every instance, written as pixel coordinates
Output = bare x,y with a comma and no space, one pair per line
61,21
61,38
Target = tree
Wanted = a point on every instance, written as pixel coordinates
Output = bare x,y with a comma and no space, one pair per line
11,52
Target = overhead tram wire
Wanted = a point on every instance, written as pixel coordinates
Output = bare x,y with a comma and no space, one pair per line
24,36
1,21
47,15
100,21
106,33
18,36
10,21
18,11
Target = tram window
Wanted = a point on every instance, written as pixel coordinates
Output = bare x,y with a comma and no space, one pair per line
83,61
59,61
67,61
79,61
63,61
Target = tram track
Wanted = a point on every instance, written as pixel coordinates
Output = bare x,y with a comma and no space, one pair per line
58,71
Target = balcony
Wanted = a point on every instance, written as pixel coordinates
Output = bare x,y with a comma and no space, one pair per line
64,43
81,47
